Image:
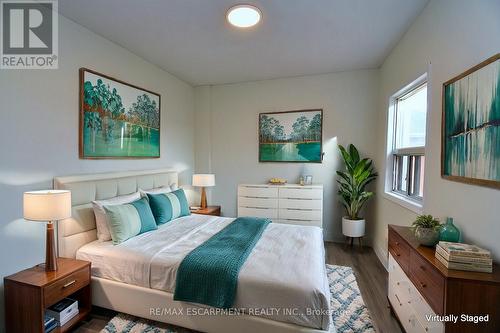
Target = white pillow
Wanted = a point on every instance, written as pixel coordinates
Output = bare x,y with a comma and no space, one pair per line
158,190
103,233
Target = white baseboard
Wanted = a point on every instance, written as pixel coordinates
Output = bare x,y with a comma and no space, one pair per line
381,255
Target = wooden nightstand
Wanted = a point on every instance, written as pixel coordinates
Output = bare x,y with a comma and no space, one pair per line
210,210
29,292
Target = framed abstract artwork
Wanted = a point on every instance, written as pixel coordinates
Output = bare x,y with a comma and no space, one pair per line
471,125
291,136
117,119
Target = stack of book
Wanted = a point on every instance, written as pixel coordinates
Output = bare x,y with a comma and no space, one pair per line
464,257
49,323
63,311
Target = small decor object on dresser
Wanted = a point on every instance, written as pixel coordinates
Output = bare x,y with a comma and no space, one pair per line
117,119
426,229
449,232
464,257
291,136
471,125
352,183
277,181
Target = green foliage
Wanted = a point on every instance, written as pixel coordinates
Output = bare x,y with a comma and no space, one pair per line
426,221
352,182
145,111
304,129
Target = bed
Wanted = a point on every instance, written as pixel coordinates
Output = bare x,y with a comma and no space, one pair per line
282,286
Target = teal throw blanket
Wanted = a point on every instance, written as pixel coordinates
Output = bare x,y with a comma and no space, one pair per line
209,274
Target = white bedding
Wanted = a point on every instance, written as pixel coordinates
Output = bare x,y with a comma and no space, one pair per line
284,272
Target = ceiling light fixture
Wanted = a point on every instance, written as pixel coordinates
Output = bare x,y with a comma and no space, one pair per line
243,16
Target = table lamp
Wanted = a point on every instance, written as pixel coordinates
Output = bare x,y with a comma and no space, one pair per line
203,180
47,206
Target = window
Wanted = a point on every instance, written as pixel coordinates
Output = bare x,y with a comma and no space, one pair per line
406,143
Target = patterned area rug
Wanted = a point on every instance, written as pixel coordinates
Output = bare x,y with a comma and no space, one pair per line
349,312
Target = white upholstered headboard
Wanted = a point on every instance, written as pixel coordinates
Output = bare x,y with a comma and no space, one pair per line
80,229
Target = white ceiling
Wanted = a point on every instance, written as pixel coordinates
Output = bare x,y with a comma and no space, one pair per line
191,39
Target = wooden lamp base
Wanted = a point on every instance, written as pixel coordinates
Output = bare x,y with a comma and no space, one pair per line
203,203
50,249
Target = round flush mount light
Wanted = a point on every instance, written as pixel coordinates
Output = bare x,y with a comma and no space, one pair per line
243,16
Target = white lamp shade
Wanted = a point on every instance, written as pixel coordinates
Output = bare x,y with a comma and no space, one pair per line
48,205
203,180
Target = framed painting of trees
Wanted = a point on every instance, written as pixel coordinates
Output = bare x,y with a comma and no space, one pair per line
291,136
471,125
117,119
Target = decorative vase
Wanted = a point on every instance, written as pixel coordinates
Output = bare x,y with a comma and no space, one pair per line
353,228
449,232
427,236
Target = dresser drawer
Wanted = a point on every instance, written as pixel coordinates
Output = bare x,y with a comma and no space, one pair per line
258,212
402,308
301,193
64,287
258,191
422,309
301,204
396,274
257,202
297,214
299,222
399,249
428,281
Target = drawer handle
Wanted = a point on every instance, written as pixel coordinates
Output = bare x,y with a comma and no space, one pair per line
398,255
422,267
423,285
70,283
400,304
397,243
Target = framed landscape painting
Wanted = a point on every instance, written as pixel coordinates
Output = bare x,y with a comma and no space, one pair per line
471,125
117,119
291,136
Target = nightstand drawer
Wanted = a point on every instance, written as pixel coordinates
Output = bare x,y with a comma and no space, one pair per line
66,286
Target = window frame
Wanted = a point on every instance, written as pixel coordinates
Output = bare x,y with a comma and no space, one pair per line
403,198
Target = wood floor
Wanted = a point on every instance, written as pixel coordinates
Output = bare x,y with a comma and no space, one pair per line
372,281
370,274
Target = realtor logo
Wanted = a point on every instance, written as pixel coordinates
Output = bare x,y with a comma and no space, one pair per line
29,34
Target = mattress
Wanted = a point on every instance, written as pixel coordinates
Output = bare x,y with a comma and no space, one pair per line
283,279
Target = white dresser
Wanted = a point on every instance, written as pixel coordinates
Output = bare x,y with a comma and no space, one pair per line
290,204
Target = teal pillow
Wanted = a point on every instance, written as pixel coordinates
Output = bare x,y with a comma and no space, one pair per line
129,220
169,206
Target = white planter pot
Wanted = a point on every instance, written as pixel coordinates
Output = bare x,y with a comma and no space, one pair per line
353,228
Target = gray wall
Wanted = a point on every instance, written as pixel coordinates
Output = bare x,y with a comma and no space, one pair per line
39,133
448,37
227,132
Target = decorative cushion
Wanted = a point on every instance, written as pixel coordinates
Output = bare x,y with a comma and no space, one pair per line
103,233
158,190
128,220
169,206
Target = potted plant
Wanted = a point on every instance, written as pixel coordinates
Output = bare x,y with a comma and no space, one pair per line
352,182
426,229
